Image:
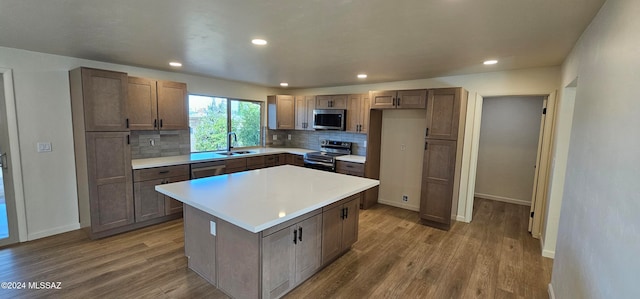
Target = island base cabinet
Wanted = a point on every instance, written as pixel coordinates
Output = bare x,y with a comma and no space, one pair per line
339,227
199,243
290,256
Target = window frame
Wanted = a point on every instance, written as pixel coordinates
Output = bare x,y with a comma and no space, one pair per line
261,103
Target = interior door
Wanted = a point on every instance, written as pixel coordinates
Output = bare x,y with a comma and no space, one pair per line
537,172
8,219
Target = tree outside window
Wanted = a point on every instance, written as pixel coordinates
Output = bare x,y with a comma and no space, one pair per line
211,118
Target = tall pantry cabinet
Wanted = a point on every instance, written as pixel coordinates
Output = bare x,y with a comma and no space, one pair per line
446,109
102,150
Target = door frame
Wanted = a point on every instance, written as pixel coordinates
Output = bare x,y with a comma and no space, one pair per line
470,158
18,229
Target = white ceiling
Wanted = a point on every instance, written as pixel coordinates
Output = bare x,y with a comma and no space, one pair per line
312,43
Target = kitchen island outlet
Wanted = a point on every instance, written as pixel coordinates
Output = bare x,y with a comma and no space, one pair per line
260,233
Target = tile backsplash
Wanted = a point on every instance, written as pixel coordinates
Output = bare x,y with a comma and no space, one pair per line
311,139
152,144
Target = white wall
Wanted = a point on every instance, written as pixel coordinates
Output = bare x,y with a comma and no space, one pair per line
44,114
508,146
599,233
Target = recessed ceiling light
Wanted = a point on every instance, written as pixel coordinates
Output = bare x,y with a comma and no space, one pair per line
362,76
490,62
259,42
284,84
175,64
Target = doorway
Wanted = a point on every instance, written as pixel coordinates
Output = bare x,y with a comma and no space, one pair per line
10,171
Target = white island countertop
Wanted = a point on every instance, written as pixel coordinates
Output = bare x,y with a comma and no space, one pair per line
259,199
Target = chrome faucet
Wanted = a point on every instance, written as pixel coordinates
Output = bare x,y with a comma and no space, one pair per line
235,138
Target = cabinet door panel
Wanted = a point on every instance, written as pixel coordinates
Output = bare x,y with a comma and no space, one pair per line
412,99
105,100
172,105
311,102
437,181
331,233
350,223
339,102
199,244
171,205
354,113
301,113
278,263
285,112
110,180
364,120
443,113
382,99
309,247
148,202
143,105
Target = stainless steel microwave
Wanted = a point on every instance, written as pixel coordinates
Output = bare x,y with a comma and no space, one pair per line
329,119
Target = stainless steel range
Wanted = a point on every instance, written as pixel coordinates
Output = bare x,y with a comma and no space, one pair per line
325,159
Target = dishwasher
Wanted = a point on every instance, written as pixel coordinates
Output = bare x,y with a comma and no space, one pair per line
207,169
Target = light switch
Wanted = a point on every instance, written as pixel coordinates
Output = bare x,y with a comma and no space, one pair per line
44,147
212,228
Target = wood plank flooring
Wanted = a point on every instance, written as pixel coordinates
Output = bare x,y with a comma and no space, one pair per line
395,257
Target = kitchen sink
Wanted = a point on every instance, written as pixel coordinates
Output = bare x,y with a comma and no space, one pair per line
235,153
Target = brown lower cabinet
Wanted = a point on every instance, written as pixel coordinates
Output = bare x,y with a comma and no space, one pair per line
369,197
296,160
270,263
149,204
436,197
339,227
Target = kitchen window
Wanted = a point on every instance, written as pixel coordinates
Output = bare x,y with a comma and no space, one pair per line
212,118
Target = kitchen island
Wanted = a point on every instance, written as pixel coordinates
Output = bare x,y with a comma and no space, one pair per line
260,233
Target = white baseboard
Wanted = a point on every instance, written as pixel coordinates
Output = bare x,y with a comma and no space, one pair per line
53,231
398,205
549,253
504,199
552,295
461,219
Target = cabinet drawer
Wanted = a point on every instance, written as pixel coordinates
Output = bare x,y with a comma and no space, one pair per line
160,172
350,168
236,164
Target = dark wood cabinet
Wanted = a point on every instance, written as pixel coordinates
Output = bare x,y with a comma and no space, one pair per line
290,256
437,181
281,112
296,160
331,101
358,113
350,168
443,113
401,99
157,105
442,156
149,204
256,162
109,180
102,97
235,165
339,227
304,112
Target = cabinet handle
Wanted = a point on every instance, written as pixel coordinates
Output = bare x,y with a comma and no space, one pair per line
161,123
128,141
425,145
300,234
398,102
155,123
394,101
342,213
295,236
427,132
127,121
346,212
163,172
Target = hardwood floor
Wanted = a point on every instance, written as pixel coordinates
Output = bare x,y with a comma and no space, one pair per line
395,257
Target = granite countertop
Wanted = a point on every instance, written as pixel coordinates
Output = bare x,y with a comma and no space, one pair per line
212,156
276,194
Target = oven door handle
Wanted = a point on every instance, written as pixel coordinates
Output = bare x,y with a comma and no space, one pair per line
318,163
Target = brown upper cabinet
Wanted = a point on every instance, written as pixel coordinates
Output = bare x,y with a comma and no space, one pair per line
443,113
401,99
281,112
358,113
331,102
104,96
304,112
158,105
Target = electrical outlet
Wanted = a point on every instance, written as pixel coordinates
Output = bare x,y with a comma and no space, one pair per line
289,136
405,198
44,147
212,228
275,137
